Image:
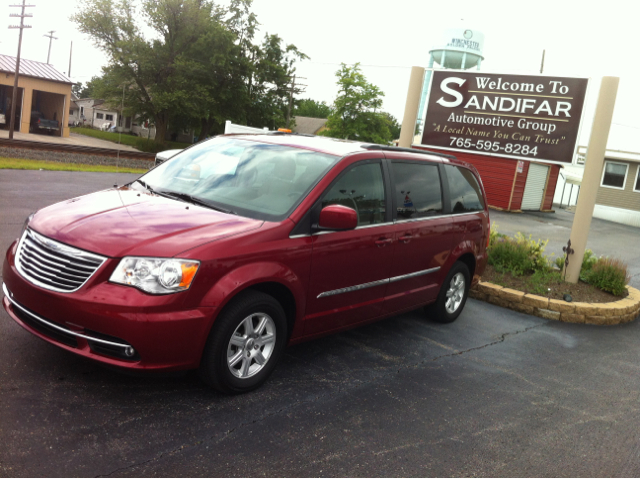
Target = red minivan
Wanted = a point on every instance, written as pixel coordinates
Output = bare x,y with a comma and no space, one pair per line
223,255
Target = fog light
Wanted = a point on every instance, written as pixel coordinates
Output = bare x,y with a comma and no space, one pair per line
129,351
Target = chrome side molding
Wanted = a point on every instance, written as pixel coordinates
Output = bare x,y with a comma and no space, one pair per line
358,287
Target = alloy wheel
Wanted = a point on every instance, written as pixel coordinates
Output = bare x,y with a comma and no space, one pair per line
455,293
251,345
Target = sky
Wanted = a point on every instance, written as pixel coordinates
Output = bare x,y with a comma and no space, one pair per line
581,39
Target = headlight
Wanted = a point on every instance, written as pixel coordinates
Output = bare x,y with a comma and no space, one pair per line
156,275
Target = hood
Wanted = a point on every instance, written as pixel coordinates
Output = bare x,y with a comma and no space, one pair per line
124,221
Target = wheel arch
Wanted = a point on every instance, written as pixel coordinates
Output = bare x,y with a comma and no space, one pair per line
273,279
282,295
470,262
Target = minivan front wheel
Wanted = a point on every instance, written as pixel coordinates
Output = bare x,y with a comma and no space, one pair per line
245,343
453,295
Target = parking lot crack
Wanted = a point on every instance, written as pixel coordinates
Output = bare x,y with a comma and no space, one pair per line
340,390
501,339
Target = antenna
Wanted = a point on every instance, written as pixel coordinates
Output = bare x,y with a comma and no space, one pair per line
14,97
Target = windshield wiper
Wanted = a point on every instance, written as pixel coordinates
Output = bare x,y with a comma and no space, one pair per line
186,198
148,187
197,201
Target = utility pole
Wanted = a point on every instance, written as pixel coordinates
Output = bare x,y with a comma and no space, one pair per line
542,63
14,98
70,53
291,92
51,38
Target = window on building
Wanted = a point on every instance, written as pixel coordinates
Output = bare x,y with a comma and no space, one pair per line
614,175
418,193
99,116
637,186
109,118
465,192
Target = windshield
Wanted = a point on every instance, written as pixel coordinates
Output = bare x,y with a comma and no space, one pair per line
249,178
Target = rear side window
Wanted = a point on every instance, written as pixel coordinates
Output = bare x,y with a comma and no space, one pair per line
464,190
417,190
360,188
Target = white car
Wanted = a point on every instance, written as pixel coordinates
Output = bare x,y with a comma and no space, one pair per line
163,156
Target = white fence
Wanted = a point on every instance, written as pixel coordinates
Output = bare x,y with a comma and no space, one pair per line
233,128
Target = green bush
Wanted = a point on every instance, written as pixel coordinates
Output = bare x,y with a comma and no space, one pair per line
608,274
518,255
588,261
494,235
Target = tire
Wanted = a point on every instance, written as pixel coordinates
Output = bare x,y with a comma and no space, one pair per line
452,296
252,329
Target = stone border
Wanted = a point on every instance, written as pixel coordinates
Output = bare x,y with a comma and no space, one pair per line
618,312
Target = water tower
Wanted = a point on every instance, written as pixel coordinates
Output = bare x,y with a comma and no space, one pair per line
460,49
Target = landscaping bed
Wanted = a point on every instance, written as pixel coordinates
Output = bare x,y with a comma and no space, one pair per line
520,276
550,285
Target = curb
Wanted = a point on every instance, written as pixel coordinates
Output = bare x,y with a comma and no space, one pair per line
617,312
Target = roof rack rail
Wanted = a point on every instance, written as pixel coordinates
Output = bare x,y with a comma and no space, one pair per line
408,150
280,133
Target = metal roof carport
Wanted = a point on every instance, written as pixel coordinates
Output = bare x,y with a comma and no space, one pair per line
37,76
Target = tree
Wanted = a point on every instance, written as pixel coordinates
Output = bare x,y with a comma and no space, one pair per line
312,108
199,69
394,126
354,114
87,90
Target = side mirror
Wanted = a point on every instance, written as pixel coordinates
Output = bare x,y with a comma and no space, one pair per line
337,218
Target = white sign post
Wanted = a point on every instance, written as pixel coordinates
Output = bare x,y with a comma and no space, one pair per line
594,163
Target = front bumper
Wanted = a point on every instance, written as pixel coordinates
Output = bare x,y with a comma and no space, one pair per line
116,325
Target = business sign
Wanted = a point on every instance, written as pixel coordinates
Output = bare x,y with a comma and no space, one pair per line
517,116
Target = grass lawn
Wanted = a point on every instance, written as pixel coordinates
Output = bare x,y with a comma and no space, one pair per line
19,164
141,144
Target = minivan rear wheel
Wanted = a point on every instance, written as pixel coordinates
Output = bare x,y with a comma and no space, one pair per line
245,343
452,296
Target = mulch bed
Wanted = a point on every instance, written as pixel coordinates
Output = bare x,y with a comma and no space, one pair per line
581,291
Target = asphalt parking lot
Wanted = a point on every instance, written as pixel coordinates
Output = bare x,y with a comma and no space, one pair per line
497,393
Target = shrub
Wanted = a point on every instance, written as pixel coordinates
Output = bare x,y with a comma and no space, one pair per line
518,255
609,275
588,261
494,235
536,251
507,254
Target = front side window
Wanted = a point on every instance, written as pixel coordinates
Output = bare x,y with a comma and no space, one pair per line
360,188
250,178
464,190
417,190
614,174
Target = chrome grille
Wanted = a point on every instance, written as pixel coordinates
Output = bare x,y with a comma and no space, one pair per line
53,265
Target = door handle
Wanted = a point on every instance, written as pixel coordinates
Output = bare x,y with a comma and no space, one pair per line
383,242
405,239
